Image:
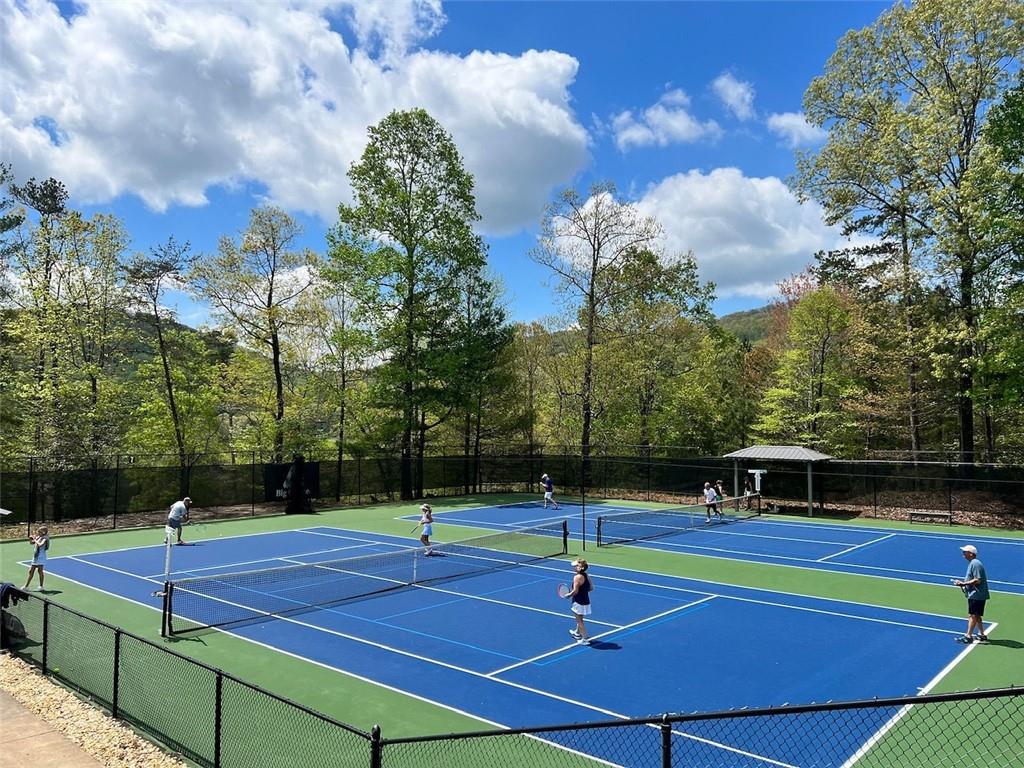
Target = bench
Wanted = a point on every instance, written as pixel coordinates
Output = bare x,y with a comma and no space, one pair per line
930,516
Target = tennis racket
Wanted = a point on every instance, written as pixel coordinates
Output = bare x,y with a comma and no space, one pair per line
963,587
563,590
415,529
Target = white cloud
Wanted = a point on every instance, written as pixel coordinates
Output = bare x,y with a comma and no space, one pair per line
736,95
165,100
746,233
794,129
666,122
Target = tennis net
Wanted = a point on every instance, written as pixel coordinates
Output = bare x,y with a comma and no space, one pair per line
245,596
624,527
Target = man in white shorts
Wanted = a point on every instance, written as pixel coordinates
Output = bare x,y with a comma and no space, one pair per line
549,491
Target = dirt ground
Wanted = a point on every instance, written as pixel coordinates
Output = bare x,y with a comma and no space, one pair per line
110,742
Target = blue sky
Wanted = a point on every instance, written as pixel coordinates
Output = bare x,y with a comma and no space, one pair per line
180,118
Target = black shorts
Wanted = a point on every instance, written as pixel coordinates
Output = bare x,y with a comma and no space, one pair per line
976,607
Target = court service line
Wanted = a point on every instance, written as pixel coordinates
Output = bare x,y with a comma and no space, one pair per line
430,588
645,620
676,548
856,546
465,670
272,559
740,587
889,724
341,671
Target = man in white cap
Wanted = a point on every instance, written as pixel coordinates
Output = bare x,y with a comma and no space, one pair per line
975,586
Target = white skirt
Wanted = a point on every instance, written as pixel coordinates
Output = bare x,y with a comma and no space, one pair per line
581,610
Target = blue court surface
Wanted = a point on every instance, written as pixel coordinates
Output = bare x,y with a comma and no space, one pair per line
924,556
495,645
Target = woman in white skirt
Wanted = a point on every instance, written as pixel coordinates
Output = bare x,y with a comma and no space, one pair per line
582,586
41,543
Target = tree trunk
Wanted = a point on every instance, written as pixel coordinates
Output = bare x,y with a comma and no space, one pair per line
913,404
275,348
965,381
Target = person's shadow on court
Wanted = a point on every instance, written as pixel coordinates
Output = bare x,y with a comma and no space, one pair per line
604,645
1005,643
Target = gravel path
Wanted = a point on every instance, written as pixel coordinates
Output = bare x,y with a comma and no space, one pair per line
106,740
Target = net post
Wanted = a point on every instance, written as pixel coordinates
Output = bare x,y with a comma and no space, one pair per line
565,537
166,630
46,633
600,521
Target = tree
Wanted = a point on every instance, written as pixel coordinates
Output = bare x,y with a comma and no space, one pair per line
904,101
149,277
592,246
401,247
254,283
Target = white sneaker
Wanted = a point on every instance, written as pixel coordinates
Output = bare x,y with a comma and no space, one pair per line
575,634
583,641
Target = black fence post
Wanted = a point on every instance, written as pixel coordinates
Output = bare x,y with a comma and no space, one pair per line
375,748
666,742
359,479
252,485
117,487
117,672
31,492
218,719
46,631
874,492
949,498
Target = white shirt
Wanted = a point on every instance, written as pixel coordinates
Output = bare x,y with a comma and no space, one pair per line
178,510
710,496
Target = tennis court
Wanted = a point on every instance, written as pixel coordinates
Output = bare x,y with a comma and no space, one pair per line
491,640
908,555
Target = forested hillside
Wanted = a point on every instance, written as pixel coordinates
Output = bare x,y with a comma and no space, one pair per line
394,337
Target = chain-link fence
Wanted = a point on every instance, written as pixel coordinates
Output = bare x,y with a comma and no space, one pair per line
215,719
205,714
130,491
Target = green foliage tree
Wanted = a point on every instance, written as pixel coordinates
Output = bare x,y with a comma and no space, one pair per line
254,283
401,247
904,101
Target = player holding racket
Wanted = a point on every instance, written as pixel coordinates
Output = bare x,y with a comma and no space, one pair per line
582,586
178,516
549,491
41,543
975,587
427,522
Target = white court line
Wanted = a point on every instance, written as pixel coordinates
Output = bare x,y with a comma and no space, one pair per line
431,588
272,559
646,620
851,549
474,673
877,736
676,548
346,673
911,533
731,529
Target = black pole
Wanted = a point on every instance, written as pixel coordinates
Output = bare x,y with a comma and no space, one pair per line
252,486
666,742
117,485
583,496
117,672
218,719
46,632
375,748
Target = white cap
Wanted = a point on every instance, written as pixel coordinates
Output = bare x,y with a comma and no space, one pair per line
970,548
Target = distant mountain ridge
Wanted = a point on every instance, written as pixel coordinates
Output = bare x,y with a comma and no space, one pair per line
749,325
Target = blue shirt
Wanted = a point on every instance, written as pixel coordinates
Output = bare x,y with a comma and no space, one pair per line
975,570
548,484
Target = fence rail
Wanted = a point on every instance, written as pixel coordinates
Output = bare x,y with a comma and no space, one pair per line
113,492
218,720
